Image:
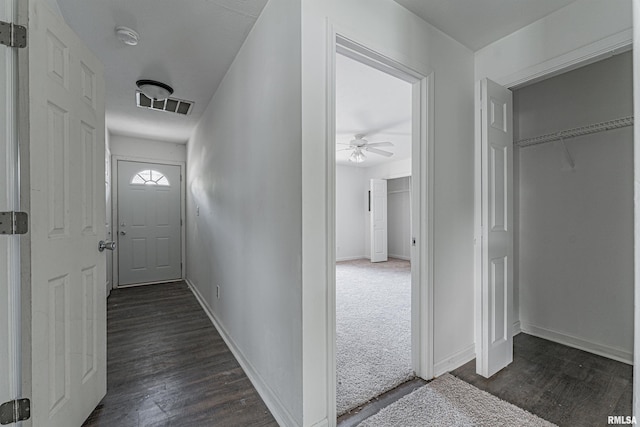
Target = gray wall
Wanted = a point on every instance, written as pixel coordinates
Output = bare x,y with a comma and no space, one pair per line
351,210
575,244
244,202
141,148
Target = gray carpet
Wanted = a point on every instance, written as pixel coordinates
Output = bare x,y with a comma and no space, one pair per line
373,330
449,401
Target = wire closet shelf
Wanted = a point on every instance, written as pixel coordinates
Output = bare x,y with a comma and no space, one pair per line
572,133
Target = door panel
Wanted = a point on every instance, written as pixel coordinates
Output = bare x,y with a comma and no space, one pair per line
494,348
149,232
66,126
378,189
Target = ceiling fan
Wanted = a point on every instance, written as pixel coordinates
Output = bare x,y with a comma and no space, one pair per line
358,145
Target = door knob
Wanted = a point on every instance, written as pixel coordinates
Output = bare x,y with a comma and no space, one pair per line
122,233
102,245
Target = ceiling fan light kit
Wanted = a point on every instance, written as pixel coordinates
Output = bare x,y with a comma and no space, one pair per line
359,144
357,156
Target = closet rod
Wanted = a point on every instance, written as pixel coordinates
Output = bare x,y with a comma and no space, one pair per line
571,133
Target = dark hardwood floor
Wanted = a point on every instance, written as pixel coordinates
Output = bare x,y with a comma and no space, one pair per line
563,385
168,366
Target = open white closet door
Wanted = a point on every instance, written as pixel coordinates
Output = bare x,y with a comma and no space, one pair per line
68,303
378,208
494,268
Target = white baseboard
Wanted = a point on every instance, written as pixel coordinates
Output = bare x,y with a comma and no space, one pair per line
455,361
350,258
279,412
516,328
353,258
402,257
602,350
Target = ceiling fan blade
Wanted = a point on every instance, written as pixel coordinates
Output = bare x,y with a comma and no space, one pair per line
344,149
381,152
343,143
380,144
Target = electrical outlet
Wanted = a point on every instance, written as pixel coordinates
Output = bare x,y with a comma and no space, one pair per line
217,292
197,210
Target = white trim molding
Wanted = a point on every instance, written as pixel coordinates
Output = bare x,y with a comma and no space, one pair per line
454,361
278,410
423,118
517,328
585,55
581,344
351,258
115,158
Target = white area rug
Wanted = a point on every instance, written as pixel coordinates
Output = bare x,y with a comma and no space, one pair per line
449,401
373,327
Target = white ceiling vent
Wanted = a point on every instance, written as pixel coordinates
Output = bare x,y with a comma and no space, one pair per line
170,105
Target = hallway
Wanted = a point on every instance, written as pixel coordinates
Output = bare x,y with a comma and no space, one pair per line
167,365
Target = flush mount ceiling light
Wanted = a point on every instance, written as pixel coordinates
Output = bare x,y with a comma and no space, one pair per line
127,36
154,90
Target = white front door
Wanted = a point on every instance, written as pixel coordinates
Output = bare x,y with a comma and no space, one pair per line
149,225
378,207
494,346
9,244
66,171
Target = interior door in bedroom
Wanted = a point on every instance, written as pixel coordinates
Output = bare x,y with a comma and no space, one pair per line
378,208
149,223
494,211
68,273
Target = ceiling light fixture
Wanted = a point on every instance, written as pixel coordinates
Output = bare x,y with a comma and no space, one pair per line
127,36
357,156
154,90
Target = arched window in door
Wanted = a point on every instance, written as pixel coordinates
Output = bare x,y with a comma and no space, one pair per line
150,177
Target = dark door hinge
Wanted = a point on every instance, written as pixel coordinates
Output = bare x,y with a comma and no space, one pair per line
14,223
14,411
13,35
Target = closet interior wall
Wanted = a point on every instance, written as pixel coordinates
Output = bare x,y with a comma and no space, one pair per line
399,217
574,210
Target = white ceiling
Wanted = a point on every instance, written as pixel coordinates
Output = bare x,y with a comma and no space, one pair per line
477,23
188,45
191,46
374,104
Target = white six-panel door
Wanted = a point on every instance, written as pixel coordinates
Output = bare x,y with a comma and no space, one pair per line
494,350
9,244
378,222
66,125
149,226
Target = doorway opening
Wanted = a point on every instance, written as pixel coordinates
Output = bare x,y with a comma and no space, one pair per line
373,223
381,236
573,244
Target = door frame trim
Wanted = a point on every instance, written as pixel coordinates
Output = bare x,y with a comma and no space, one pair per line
422,209
115,158
13,187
